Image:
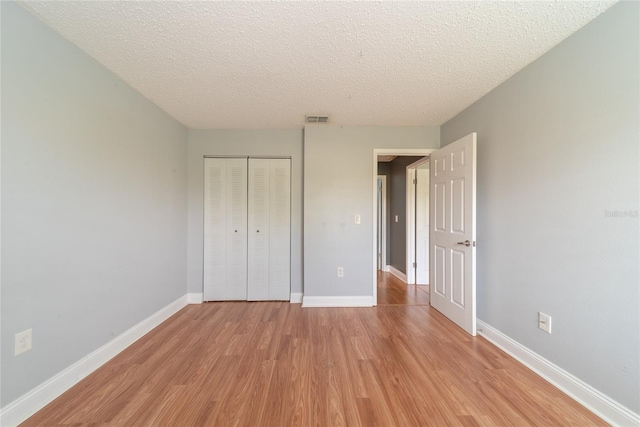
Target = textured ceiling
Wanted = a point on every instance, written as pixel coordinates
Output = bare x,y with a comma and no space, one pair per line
267,64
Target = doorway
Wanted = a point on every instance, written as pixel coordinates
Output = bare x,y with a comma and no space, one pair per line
386,152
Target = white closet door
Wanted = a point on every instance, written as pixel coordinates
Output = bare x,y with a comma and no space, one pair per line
280,229
225,228
269,229
258,261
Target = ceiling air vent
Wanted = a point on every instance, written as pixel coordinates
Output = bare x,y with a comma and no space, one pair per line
316,119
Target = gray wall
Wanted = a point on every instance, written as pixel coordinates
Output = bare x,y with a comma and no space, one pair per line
398,203
332,198
94,205
242,143
557,150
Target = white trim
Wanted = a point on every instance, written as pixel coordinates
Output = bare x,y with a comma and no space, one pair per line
410,229
195,298
355,301
31,402
592,399
374,249
399,274
383,216
296,298
386,268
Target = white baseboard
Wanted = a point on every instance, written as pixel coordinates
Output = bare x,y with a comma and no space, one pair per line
399,274
195,298
592,399
31,402
356,301
296,298
386,268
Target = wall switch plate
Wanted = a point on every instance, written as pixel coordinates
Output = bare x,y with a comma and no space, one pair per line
357,219
23,341
340,272
396,218
544,322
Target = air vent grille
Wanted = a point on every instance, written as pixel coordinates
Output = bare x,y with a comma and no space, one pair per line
316,119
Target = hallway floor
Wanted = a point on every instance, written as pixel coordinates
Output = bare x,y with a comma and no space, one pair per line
393,291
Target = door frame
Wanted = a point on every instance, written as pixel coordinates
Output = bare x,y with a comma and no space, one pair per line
374,188
383,226
411,218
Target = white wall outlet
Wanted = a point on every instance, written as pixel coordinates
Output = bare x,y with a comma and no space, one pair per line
23,341
340,272
357,219
544,322
396,218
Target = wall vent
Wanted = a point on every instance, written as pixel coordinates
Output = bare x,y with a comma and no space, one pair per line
316,119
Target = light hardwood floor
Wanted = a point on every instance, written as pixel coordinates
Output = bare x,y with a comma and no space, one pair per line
277,364
393,291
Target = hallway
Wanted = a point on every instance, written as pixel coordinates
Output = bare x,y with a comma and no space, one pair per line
393,291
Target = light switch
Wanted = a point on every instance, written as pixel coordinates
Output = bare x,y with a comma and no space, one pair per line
357,219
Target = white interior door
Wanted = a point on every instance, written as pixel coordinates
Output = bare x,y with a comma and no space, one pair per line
422,225
269,229
225,229
453,232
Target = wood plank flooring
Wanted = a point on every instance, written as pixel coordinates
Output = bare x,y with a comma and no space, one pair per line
277,364
393,291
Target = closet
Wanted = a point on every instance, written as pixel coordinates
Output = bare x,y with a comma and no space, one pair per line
247,229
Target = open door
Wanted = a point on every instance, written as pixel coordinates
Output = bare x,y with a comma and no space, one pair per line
422,225
453,232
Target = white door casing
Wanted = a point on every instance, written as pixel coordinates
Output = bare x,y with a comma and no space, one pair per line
453,232
382,223
422,226
225,229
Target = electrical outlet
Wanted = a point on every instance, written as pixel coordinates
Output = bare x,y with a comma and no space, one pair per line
544,322
357,219
396,218
23,341
340,272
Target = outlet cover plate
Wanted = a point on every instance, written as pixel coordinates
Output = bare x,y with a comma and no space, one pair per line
544,322
23,341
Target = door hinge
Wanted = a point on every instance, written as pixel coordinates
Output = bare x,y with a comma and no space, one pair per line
415,181
415,265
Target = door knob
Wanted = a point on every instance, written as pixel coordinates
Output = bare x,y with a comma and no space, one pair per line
466,243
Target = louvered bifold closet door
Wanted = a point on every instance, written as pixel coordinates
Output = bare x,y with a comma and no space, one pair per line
225,229
269,229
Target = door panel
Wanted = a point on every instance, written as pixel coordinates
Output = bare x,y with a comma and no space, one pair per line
453,234
225,224
258,261
438,211
280,229
439,268
269,260
422,226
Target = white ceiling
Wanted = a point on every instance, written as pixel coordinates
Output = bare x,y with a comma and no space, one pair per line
267,64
